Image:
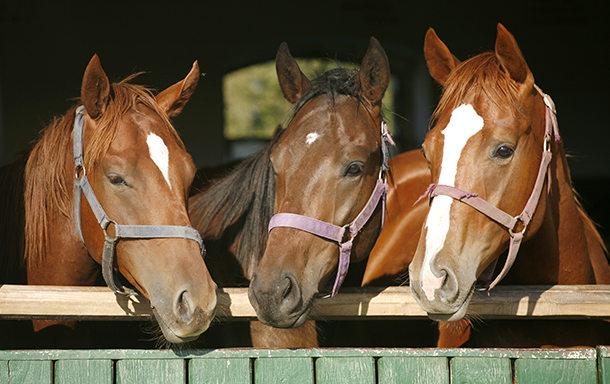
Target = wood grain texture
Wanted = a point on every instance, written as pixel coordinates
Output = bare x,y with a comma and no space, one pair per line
508,302
480,370
83,372
30,372
560,371
220,371
345,370
416,370
286,370
151,371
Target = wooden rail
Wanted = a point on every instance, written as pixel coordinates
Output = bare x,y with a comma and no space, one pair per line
504,302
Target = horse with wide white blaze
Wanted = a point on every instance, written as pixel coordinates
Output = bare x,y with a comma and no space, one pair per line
500,181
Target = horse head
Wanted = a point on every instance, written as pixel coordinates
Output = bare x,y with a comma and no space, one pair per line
140,172
327,166
487,144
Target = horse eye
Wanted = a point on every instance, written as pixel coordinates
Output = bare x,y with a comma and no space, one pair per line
117,180
354,169
504,152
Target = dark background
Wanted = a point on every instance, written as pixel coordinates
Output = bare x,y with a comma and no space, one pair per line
46,45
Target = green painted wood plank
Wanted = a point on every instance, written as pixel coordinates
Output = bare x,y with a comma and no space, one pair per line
83,372
345,370
288,370
567,371
473,370
220,371
30,372
133,371
4,372
416,370
580,353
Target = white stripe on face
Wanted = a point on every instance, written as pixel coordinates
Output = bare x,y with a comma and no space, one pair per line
464,124
311,137
159,155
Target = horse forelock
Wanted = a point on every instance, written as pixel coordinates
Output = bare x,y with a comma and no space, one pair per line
333,83
49,178
485,72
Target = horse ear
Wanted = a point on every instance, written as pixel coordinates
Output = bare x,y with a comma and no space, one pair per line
440,60
293,82
95,89
510,56
173,99
374,73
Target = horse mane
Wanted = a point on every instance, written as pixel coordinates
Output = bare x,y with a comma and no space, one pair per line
49,177
243,201
484,71
589,223
237,208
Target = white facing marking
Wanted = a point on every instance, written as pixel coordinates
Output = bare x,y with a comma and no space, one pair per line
311,137
159,155
464,123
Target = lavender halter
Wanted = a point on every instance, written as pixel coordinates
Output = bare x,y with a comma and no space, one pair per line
81,184
344,235
502,218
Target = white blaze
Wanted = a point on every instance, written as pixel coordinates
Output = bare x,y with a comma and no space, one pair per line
311,137
464,124
159,154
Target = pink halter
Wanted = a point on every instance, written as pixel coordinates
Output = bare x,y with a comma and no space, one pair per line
499,216
344,235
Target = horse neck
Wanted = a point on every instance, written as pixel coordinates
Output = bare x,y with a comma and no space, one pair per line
559,251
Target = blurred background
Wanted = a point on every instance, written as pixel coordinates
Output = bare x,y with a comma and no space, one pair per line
45,47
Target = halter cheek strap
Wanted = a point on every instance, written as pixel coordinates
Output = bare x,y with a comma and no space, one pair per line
505,220
344,235
81,184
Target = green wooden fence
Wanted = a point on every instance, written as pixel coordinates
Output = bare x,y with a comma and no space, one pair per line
336,366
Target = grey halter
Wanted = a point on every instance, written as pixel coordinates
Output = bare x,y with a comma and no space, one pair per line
81,184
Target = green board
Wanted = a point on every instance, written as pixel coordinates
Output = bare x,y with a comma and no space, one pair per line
321,366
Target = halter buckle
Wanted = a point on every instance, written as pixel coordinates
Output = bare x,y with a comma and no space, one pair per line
347,234
79,171
517,220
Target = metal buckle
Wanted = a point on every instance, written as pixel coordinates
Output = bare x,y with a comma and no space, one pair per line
518,219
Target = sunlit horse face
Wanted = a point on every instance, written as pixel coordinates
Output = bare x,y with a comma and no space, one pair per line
326,164
488,139
142,178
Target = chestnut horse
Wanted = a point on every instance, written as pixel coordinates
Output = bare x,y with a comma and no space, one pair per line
494,134
128,197
326,164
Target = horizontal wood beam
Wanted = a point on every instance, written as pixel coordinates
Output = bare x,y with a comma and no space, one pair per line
504,302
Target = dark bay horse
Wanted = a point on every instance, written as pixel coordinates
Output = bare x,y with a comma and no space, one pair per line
495,144
132,179
325,165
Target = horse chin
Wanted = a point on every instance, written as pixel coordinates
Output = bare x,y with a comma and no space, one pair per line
293,321
456,315
170,335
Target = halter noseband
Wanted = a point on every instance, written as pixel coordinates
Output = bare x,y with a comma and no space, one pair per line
344,235
81,184
505,220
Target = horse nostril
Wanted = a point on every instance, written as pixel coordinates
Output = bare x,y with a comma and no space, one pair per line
287,288
183,306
